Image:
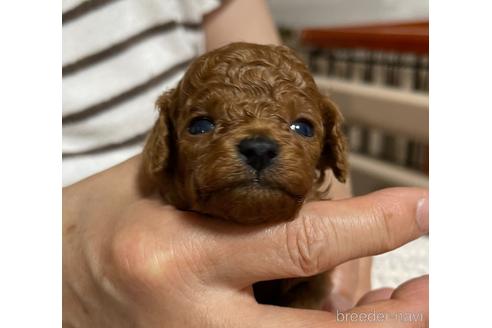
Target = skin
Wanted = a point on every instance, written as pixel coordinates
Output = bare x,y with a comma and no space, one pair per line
240,20
130,260
231,23
127,259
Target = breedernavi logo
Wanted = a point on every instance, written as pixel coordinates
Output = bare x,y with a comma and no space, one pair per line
379,316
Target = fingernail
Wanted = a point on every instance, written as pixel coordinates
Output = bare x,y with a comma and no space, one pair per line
423,215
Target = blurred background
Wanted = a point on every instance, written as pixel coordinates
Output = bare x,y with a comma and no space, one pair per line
327,13
371,57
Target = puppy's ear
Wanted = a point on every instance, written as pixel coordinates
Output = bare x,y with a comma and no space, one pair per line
334,153
158,149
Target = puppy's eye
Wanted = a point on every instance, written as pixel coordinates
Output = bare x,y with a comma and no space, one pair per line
302,127
201,125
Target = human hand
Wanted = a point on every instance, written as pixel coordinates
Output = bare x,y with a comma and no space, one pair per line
349,281
129,260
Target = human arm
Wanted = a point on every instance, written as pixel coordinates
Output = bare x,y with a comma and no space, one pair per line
240,20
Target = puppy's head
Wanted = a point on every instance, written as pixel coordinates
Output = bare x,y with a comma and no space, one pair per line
245,136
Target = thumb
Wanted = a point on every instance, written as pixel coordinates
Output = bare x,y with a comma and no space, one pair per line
325,234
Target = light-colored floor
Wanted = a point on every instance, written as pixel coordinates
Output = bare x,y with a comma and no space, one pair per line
393,268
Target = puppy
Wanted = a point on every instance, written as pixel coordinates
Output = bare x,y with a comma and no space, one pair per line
247,136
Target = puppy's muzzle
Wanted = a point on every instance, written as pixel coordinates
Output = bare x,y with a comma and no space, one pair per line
258,152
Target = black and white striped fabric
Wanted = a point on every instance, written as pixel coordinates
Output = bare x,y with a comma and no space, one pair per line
118,56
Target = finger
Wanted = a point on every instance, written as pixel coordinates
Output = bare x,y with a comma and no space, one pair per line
337,302
350,281
413,289
365,267
344,283
324,234
376,295
408,307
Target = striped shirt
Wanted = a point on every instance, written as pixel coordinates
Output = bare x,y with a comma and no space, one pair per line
118,56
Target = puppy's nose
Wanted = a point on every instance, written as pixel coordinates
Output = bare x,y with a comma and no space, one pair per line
258,152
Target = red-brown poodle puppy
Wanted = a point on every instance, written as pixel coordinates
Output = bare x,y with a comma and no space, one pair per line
247,136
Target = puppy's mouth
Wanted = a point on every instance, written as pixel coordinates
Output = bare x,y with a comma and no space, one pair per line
250,200
257,184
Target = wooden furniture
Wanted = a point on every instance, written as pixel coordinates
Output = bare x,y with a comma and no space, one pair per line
378,75
410,37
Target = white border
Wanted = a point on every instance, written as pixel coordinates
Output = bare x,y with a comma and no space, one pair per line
461,174
460,163
30,174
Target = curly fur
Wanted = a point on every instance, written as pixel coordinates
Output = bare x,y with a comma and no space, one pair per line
248,90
